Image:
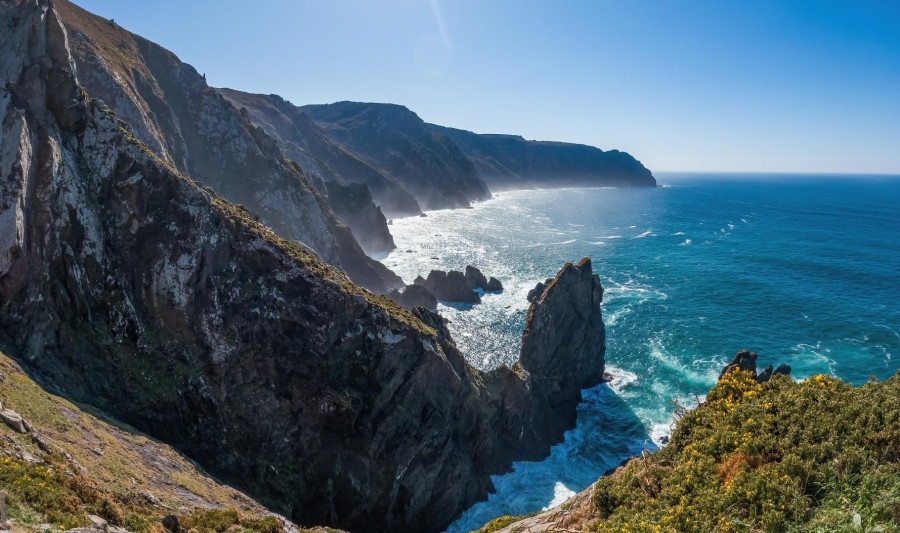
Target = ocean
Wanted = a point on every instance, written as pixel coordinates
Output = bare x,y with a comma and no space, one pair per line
802,269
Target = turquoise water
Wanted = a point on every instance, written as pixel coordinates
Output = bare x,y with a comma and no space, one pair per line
804,270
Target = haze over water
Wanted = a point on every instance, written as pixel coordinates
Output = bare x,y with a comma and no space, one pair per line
804,270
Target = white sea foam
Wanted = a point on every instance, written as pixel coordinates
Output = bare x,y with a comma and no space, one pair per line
642,235
677,233
686,242
561,493
595,242
620,378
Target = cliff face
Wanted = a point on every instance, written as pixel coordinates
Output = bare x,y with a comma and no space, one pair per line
396,141
189,126
127,286
303,141
511,162
564,342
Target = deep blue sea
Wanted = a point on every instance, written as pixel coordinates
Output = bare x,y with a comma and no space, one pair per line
803,270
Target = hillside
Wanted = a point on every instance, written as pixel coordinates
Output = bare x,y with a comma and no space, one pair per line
303,141
190,127
511,162
397,142
63,463
782,456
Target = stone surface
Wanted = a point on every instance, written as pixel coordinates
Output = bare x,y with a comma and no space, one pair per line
449,286
192,128
538,290
14,420
564,342
414,295
493,285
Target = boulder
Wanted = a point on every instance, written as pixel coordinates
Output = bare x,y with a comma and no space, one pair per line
493,285
475,278
564,342
451,287
14,420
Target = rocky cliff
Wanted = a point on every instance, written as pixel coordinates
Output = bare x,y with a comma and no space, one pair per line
168,107
303,141
564,343
511,162
396,141
126,285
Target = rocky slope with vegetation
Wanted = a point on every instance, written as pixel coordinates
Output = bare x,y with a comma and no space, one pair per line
304,142
397,142
511,162
190,127
63,467
776,456
128,286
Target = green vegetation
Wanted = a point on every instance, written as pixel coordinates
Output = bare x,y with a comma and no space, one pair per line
75,463
819,455
221,520
499,523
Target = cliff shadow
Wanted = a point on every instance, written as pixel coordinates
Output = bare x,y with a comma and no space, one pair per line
606,433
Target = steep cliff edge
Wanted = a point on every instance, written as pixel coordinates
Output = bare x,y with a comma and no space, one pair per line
396,141
170,109
511,162
127,286
564,342
303,141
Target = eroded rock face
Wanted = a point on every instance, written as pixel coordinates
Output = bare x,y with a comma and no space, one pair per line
353,205
126,285
303,141
399,144
169,108
564,343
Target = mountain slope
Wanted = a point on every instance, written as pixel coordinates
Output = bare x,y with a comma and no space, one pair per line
511,162
137,480
170,109
304,142
396,141
127,286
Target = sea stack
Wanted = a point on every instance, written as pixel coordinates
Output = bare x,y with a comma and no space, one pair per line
564,343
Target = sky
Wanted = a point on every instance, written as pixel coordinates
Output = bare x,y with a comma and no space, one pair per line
683,85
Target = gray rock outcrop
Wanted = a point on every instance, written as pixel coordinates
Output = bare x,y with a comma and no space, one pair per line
564,342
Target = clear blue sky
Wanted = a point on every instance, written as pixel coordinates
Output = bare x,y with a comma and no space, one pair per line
796,86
